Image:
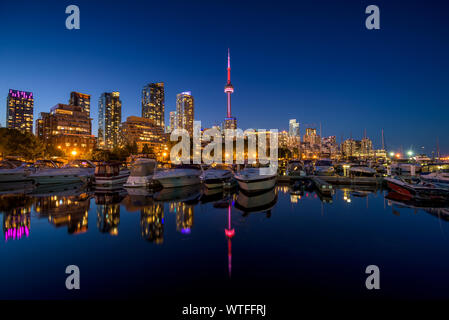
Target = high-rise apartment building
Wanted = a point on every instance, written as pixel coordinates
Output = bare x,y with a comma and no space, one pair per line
153,103
293,128
19,110
80,99
173,121
109,120
185,111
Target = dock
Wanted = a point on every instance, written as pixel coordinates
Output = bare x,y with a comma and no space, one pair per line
322,186
338,180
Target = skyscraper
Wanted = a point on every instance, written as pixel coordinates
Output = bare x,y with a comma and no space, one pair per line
109,119
173,121
153,103
293,129
185,111
80,99
230,122
19,110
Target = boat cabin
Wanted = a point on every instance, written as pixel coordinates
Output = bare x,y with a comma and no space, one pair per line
107,169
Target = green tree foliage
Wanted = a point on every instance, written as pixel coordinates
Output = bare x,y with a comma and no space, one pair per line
18,144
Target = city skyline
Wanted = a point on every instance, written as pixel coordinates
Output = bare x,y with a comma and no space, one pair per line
403,84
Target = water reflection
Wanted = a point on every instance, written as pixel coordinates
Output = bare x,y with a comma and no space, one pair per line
152,223
69,205
260,202
108,211
63,206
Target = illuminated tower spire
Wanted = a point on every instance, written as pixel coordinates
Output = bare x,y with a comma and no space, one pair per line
230,122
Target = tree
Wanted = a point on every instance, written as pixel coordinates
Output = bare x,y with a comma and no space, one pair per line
25,145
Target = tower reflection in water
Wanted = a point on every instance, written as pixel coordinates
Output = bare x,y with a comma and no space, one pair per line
67,206
230,233
108,211
152,223
16,209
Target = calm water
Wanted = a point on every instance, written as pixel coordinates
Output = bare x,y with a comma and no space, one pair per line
189,244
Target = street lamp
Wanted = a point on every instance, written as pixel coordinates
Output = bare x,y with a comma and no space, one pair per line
410,153
392,153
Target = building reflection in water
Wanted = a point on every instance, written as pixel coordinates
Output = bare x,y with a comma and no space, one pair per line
65,209
16,209
184,216
152,223
108,211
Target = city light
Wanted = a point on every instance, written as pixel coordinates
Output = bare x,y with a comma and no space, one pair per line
392,154
410,153
74,153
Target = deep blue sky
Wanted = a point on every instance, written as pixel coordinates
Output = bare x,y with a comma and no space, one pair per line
310,60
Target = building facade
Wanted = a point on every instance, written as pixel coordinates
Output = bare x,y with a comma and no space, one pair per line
173,121
293,128
109,120
153,103
19,110
185,111
80,99
143,131
68,128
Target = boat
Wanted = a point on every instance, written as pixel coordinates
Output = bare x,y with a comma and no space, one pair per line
51,172
402,166
362,171
439,178
251,180
324,168
217,176
179,176
110,175
13,171
417,189
142,172
295,169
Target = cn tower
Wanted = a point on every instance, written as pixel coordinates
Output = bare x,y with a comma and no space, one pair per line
230,122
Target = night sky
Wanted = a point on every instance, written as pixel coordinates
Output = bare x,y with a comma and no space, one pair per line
310,60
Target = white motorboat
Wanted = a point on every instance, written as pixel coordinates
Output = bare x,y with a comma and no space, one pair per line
251,180
362,171
181,175
217,176
324,168
142,171
110,175
48,172
439,178
13,171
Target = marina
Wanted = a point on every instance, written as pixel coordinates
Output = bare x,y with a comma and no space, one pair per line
295,237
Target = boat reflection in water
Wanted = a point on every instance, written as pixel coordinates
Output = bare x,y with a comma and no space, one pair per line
64,205
108,210
259,202
436,209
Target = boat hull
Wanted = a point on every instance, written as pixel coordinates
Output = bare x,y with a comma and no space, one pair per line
180,181
110,182
257,185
